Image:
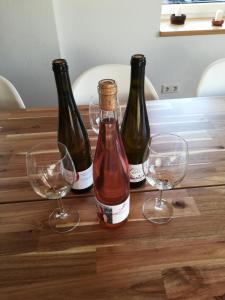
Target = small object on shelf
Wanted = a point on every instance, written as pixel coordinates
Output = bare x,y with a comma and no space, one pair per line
218,20
177,20
217,23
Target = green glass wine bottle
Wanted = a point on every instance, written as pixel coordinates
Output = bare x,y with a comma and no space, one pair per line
135,129
71,130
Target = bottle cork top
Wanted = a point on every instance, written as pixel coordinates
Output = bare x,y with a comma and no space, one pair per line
137,59
107,90
59,64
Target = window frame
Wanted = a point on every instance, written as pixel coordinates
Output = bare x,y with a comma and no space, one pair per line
196,10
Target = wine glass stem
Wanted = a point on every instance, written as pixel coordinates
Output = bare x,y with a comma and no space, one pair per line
159,199
60,204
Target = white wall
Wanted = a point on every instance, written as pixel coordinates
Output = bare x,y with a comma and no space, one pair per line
107,31
28,45
92,32
110,31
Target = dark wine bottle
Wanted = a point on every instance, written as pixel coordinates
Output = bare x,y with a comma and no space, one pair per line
135,128
110,165
71,130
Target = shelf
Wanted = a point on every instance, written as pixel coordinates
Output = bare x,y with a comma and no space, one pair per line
191,27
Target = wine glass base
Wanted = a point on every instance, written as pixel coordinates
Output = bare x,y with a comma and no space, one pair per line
65,221
155,213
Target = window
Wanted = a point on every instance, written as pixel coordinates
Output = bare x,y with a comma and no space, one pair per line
189,1
192,8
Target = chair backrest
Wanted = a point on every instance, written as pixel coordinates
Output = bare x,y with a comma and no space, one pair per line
85,86
9,97
212,82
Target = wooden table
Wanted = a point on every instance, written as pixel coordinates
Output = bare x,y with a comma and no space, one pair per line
184,259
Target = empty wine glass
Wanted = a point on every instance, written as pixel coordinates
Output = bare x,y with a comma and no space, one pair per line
94,115
164,167
51,172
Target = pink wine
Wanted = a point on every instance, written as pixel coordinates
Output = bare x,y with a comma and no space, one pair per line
111,173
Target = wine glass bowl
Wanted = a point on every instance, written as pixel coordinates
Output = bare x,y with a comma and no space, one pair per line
51,173
94,116
165,167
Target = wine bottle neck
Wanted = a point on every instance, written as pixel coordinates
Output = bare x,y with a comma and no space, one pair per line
137,77
108,107
108,128
64,89
108,115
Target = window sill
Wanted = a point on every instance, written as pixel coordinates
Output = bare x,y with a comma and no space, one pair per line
191,27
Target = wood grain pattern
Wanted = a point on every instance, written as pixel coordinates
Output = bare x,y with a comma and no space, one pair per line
182,260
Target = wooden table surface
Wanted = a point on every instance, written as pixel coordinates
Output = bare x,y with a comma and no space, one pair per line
184,259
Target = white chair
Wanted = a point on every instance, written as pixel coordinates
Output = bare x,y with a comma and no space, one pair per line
212,82
9,97
85,86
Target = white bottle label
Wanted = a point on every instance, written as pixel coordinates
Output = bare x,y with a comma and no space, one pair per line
113,214
83,180
136,172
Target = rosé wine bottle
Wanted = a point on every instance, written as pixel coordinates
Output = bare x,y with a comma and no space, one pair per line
110,166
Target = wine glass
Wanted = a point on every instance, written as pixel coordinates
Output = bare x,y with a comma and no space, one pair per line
51,172
165,166
94,115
